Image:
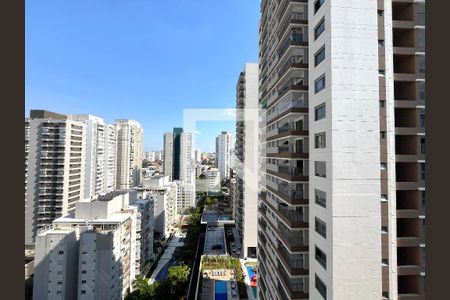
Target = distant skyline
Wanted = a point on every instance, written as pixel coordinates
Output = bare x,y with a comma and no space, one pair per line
141,60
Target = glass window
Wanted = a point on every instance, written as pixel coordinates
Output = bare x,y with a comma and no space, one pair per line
321,227
422,119
319,83
381,43
319,112
319,56
321,257
319,29
320,140
321,198
422,145
422,171
320,286
422,90
318,4
320,168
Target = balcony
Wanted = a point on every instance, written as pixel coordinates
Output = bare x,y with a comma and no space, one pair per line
296,38
294,103
289,151
289,173
294,18
289,129
293,290
292,239
293,266
290,195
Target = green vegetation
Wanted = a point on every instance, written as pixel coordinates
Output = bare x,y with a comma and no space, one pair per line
145,163
176,285
211,262
210,201
171,288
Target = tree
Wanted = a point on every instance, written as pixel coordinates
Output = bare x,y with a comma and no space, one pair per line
145,163
210,201
179,274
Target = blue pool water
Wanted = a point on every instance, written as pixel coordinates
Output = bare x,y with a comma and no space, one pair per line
250,272
220,290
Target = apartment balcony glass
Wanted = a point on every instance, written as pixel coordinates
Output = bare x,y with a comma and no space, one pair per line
295,37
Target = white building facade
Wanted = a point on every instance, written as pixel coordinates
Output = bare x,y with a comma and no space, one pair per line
129,153
100,155
54,168
224,144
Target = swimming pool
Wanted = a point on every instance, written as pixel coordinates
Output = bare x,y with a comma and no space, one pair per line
220,290
250,274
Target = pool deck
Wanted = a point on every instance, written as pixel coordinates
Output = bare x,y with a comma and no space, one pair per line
247,279
208,290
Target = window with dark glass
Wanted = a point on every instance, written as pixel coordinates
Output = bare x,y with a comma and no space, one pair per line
321,198
320,286
318,4
422,119
320,169
422,145
422,171
319,83
319,56
320,140
321,227
319,112
321,257
422,90
319,28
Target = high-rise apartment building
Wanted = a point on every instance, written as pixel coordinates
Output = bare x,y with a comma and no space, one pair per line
342,124
164,195
129,153
179,165
100,156
89,254
54,168
401,42
245,193
224,144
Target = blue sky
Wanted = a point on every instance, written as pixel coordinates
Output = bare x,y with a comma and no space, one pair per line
139,59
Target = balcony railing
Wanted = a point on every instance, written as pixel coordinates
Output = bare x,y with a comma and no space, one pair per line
294,18
297,263
290,149
290,237
290,127
293,82
291,171
294,194
295,36
295,215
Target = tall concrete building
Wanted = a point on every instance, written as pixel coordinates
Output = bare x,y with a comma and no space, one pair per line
179,165
129,153
342,122
224,144
245,192
54,168
100,156
89,254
